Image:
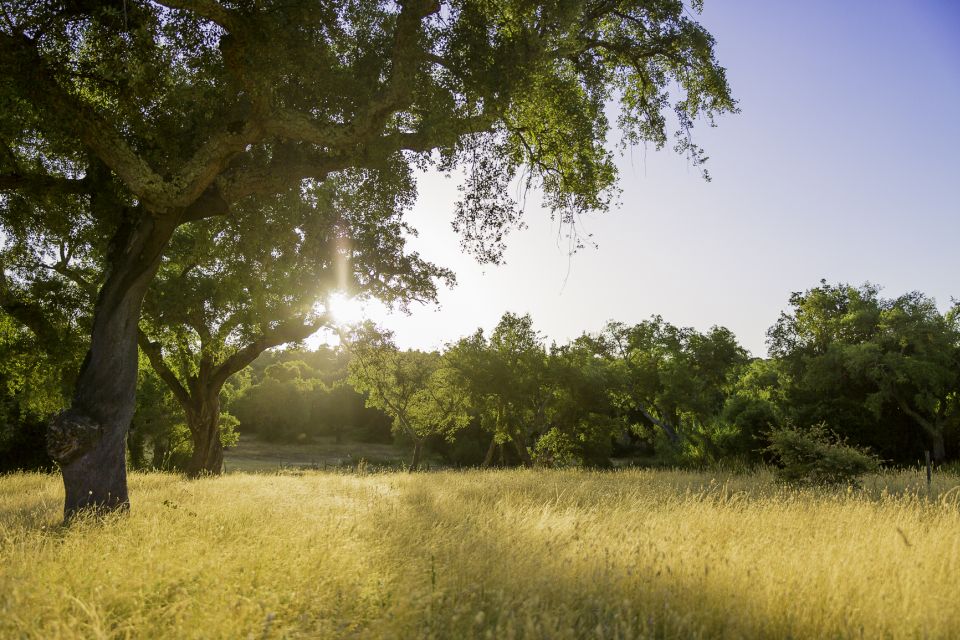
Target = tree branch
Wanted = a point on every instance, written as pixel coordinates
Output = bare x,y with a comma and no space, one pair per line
155,356
28,313
24,65
283,333
15,181
208,9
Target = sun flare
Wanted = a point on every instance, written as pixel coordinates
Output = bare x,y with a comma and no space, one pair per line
346,309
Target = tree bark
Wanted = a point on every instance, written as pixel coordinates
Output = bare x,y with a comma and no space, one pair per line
933,428
88,440
939,447
521,447
488,459
203,420
417,454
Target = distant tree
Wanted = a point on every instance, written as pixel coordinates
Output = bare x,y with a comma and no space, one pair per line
279,406
675,379
757,403
505,379
158,437
337,410
582,410
29,390
410,386
38,364
165,113
883,372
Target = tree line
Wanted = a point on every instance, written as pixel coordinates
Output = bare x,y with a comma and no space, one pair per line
881,373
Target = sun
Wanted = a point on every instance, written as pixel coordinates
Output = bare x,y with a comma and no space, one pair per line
346,310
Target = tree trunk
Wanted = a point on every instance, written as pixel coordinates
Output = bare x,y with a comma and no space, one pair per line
521,448
203,420
939,447
417,453
488,459
136,448
158,460
89,438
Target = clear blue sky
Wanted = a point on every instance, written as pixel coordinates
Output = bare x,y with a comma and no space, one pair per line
843,164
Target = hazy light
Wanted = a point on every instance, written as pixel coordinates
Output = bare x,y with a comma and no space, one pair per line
346,310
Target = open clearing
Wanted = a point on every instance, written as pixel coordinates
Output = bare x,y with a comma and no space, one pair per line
253,455
533,554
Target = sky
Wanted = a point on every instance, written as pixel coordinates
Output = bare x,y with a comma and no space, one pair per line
842,164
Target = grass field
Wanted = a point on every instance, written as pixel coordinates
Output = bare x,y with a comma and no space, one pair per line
504,554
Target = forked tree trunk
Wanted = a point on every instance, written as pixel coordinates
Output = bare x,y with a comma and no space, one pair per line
203,420
88,440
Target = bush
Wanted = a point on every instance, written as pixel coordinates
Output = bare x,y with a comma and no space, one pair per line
555,449
818,457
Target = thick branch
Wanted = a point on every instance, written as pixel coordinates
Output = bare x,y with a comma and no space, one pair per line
38,82
27,68
283,333
155,356
663,424
924,423
208,9
16,181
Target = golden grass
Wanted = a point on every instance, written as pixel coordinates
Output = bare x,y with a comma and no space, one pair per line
508,554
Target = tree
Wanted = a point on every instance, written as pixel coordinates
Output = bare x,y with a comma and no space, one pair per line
676,379
279,407
756,404
224,293
30,387
337,410
505,379
165,113
409,386
582,409
882,372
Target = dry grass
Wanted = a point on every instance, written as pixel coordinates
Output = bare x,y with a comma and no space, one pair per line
534,554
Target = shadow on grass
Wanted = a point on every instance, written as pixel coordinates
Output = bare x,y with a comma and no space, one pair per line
487,576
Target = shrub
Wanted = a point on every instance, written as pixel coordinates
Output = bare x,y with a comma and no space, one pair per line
555,449
816,456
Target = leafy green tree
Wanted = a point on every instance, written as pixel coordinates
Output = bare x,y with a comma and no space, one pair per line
30,389
337,410
756,404
505,380
582,410
278,408
161,114
882,372
225,293
676,379
158,437
410,386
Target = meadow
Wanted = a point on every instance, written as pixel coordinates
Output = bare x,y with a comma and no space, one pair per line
498,554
